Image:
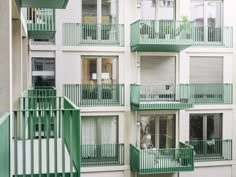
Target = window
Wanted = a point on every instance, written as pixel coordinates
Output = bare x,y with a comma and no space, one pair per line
100,70
207,16
205,126
100,11
43,71
99,130
157,131
158,9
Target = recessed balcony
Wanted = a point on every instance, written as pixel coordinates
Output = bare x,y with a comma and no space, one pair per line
154,161
161,36
41,23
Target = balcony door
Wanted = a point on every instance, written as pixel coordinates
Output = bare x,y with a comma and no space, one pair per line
97,19
158,10
207,16
206,133
157,131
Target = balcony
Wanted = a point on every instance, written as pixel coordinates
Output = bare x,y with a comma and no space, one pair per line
213,36
211,93
77,34
153,161
161,36
211,150
91,95
182,96
52,4
41,23
152,97
5,145
102,155
46,135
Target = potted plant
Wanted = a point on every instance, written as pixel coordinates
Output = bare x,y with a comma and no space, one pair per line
186,28
167,31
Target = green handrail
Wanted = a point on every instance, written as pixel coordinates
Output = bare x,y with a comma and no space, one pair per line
153,161
211,150
102,155
75,34
95,94
5,145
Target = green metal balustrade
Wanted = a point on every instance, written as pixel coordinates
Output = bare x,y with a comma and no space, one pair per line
76,34
153,161
95,94
102,155
213,36
151,97
41,23
161,36
45,154
211,93
5,145
54,4
182,96
211,150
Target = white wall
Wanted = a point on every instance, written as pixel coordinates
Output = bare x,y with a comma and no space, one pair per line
219,171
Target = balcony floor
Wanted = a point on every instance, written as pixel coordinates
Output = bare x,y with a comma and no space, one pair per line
44,157
167,105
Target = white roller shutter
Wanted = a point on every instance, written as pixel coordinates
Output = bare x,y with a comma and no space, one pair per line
206,69
157,70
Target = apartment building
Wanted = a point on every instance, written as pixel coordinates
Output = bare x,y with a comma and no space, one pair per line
151,82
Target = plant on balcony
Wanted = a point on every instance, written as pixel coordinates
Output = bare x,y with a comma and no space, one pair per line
167,31
185,28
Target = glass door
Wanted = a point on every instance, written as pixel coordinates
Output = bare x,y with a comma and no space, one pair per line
157,131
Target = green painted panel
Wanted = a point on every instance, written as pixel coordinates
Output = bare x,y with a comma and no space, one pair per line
5,145
41,34
55,4
159,47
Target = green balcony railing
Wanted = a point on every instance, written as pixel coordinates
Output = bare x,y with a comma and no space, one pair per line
211,150
41,23
148,97
213,36
163,35
102,155
40,92
153,161
44,154
5,145
180,96
95,94
52,4
211,93
76,34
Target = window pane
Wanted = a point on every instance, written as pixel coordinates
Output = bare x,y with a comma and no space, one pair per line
108,130
197,15
109,11
214,123
109,70
43,71
148,9
88,130
89,11
89,71
166,10
157,131
196,127
214,21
